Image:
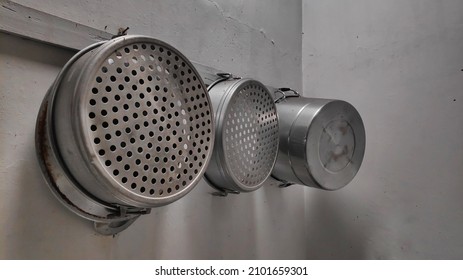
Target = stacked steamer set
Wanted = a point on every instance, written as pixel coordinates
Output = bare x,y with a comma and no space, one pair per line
129,125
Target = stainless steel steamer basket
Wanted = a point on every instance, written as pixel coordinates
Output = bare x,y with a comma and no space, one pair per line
126,126
322,142
246,135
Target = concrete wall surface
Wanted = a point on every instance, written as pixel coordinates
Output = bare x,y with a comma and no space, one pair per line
250,38
400,64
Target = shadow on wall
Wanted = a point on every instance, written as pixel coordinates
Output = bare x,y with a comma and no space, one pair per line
215,228
332,231
38,217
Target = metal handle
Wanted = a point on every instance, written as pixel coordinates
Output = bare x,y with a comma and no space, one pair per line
120,220
282,183
219,190
284,95
113,228
222,77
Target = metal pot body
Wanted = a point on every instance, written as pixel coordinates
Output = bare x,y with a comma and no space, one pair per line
322,142
246,135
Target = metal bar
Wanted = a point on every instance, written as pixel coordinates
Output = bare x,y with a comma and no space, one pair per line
36,25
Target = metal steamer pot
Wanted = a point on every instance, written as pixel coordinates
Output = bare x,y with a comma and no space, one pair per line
246,135
126,126
322,141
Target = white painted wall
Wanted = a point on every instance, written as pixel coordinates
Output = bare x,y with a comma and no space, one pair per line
400,64
250,38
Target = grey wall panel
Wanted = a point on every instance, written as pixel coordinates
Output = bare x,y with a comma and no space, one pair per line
400,64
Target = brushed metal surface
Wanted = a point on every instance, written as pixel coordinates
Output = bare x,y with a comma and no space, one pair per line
246,133
322,142
132,126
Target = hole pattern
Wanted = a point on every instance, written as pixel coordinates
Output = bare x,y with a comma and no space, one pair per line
250,134
149,120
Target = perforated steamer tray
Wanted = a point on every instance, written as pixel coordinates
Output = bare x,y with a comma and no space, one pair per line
246,135
128,126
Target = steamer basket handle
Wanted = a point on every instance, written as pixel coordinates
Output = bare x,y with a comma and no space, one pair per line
122,219
222,77
283,96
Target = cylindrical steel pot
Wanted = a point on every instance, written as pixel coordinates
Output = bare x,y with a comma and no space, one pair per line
129,124
322,142
246,135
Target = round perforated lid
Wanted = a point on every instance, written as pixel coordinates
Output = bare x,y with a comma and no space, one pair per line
249,135
147,119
